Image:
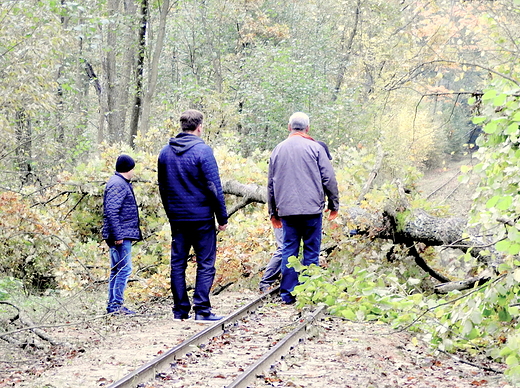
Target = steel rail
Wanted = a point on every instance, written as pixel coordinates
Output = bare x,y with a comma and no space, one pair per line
280,348
148,371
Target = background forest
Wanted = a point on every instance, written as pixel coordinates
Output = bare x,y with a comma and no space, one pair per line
408,83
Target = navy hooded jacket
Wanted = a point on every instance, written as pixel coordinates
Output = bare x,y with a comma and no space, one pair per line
120,212
189,181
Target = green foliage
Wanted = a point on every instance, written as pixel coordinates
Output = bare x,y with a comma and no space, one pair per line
496,208
8,286
477,322
247,65
499,153
480,321
29,241
361,294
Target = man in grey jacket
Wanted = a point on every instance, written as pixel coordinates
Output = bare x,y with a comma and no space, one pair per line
300,178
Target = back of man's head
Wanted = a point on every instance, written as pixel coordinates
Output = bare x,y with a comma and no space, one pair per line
190,120
299,121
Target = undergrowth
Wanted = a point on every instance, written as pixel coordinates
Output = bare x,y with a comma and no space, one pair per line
481,321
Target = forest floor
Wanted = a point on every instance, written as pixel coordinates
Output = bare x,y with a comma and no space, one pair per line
442,186
102,349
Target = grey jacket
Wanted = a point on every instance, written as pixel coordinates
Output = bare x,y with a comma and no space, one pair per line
300,177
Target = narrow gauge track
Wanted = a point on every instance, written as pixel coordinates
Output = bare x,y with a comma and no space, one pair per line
229,353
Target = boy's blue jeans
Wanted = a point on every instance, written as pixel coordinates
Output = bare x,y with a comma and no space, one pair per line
121,268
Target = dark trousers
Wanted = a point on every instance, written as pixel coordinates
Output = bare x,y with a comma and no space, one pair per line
200,235
297,229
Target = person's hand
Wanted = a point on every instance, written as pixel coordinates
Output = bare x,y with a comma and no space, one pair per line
222,227
277,223
333,214
118,242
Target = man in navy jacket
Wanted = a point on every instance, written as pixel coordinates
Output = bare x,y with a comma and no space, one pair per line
120,228
192,197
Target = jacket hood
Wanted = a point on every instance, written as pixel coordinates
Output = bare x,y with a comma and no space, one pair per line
184,141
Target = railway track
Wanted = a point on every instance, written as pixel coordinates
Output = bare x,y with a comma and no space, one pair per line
229,353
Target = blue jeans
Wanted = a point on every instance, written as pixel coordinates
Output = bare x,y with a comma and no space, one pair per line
297,229
121,268
273,270
200,235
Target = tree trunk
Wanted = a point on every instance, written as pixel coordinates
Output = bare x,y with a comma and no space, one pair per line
116,77
402,227
24,146
82,85
110,79
60,130
346,50
129,63
137,105
154,67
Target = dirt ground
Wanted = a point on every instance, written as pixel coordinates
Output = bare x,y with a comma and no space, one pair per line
441,185
100,350
343,354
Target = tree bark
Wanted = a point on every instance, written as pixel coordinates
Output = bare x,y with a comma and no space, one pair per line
346,50
110,74
24,146
154,67
117,70
138,97
479,280
402,227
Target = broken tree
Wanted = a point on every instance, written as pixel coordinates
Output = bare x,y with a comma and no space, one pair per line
413,228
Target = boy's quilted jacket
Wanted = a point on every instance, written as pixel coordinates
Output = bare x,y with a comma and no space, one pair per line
120,212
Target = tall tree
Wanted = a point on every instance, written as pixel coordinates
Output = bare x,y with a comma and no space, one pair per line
153,70
139,73
346,46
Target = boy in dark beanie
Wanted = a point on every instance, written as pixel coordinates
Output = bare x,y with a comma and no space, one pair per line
120,228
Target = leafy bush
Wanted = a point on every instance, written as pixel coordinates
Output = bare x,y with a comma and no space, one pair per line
29,241
484,320
9,285
497,204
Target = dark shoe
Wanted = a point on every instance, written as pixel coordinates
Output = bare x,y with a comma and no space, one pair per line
290,301
121,311
111,309
207,318
180,317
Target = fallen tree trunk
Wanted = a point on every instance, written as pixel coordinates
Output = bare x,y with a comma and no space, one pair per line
406,227
402,226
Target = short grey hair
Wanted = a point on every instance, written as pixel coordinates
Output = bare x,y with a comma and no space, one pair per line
299,121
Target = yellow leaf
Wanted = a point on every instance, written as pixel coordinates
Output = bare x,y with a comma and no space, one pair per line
516,275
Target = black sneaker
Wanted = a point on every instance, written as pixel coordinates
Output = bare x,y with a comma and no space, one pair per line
207,318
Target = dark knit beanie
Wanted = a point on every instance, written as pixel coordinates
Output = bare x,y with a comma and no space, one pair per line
124,163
